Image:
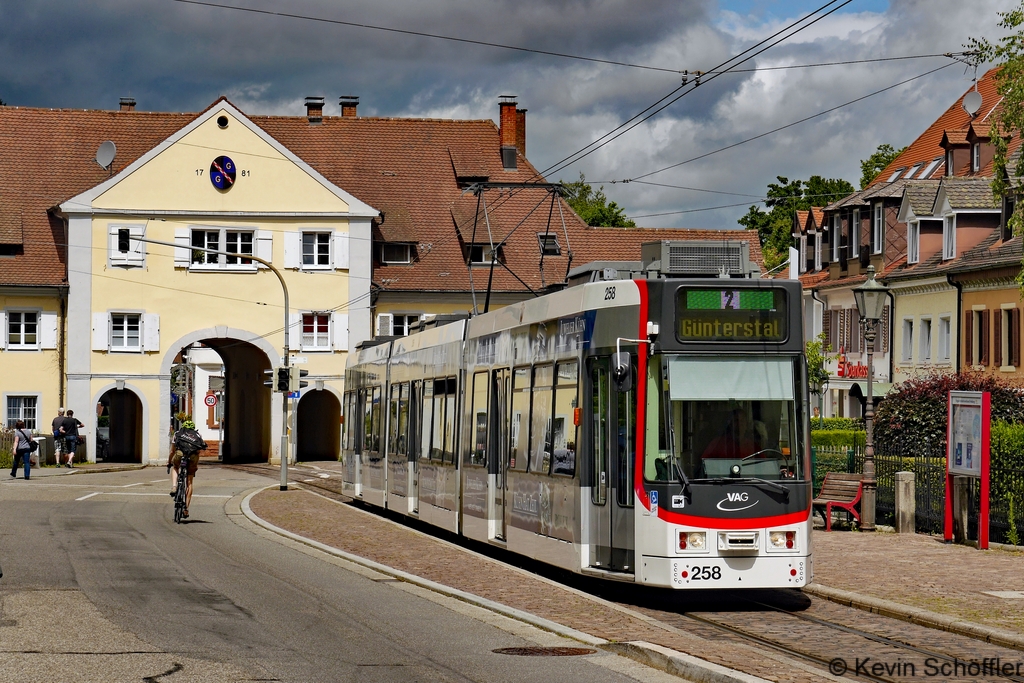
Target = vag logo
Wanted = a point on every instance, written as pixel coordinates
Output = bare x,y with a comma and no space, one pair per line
734,502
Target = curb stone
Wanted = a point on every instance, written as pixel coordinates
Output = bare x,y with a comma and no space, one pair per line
655,656
916,615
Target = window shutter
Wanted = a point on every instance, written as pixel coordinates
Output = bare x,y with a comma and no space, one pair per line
341,250
136,255
150,332
48,330
265,246
826,327
183,251
997,351
855,337
984,338
385,324
100,331
882,332
1014,337
340,323
295,330
292,249
4,333
968,334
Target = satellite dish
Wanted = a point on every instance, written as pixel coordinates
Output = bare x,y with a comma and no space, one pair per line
972,102
105,154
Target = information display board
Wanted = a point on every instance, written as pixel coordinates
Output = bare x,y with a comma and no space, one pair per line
967,452
731,315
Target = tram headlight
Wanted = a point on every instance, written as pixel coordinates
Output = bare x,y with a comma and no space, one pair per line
692,540
782,540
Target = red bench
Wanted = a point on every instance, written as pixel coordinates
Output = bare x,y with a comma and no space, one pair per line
839,490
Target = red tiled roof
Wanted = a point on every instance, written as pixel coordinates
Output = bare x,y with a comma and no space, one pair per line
801,220
818,216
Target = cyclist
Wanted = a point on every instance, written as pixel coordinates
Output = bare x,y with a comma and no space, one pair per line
185,445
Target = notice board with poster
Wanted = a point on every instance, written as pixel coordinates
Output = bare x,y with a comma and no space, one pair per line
967,452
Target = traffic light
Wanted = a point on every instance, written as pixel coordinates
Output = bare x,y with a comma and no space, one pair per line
283,383
122,240
296,379
269,381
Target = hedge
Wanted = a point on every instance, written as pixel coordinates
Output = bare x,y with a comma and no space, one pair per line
837,438
831,424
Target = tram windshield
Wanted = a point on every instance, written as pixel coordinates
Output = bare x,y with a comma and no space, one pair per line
707,416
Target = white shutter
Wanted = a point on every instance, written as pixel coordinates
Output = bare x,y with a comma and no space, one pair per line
293,250
3,333
136,255
100,331
48,330
385,324
265,246
150,332
182,252
341,250
115,256
340,322
294,330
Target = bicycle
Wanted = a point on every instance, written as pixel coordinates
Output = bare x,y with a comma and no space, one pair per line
181,490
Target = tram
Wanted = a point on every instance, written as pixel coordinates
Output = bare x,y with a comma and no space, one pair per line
652,430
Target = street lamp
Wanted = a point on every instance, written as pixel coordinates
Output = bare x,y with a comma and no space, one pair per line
870,298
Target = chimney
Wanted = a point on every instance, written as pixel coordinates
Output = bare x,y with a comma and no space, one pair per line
521,131
127,104
348,105
315,109
508,131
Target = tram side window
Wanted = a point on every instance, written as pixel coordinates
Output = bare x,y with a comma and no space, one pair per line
403,420
450,414
427,419
415,419
599,430
520,419
540,422
393,432
346,417
625,445
376,413
478,456
360,415
564,425
351,420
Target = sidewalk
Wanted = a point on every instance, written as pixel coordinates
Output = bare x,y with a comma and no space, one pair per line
82,468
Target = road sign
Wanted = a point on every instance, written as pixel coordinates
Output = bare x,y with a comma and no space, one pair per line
294,394
210,400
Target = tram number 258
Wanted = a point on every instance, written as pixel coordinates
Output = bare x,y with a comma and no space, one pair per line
705,573
609,293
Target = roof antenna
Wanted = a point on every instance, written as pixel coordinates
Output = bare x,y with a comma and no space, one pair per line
105,155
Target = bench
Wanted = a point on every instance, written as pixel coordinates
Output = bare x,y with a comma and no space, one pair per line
839,490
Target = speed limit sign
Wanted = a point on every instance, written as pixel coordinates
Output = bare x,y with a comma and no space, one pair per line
210,400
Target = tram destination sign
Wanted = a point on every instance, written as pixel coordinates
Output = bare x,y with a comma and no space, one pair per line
731,315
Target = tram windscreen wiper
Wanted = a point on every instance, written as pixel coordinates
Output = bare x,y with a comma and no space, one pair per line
748,480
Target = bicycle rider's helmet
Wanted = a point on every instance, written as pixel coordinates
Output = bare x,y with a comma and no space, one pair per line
188,424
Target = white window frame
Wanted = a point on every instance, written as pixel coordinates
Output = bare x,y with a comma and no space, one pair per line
555,249
817,251
913,241
877,228
38,344
111,328
320,341
837,235
403,322
924,340
945,336
930,168
404,261
485,250
949,237
949,162
318,236
136,255
976,157
9,421
855,234
221,263
907,352
803,253
896,174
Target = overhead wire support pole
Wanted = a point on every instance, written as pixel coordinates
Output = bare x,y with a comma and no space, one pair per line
284,287
469,261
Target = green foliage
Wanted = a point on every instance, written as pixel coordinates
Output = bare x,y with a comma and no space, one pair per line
783,199
1012,536
593,206
817,352
6,459
913,414
876,163
828,460
839,423
837,438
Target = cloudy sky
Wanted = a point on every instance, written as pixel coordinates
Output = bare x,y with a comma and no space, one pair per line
177,56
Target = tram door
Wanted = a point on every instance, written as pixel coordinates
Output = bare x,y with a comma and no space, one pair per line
497,450
613,440
415,440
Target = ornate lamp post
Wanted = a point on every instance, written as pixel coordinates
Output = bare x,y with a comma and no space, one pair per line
870,298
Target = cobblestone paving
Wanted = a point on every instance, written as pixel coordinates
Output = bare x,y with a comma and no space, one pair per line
922,571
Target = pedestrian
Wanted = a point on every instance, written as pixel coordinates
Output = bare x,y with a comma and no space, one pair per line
58,436
71,427
22,449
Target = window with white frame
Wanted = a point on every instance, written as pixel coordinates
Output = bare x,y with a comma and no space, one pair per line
896,174
949,237
125,332
855,234
22,329
481,254
913,241
949,162
23,408
924,337
316,331
403,323
316,249
876,229
908,340
549,244
837,232
930,168
943,340
817,251
135,257
396,253
803,253
976,157
221,239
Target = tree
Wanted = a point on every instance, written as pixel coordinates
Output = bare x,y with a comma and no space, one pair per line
593,206
876,163
1008,119
783,199
817,352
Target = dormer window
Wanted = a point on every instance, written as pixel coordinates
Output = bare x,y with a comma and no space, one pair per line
549,244
817,251
803,253
876,229
949,162
855,234
949,237
976,157
913,241
482,255
396,253
837,232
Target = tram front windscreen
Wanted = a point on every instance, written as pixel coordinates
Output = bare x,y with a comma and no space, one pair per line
708,416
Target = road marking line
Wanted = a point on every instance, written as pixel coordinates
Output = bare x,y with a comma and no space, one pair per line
161,495
158,481
88,495
138,483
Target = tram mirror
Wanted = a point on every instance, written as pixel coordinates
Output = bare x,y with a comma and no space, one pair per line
622,372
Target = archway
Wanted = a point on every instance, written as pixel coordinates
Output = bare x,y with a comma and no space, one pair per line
119,426
318,426
246,411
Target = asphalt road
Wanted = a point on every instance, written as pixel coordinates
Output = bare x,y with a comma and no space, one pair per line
100,585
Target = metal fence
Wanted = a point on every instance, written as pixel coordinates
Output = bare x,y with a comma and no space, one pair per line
928,463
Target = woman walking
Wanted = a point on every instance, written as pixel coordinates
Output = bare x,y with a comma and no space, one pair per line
22,449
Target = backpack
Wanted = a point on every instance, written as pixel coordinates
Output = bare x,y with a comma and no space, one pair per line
188,441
